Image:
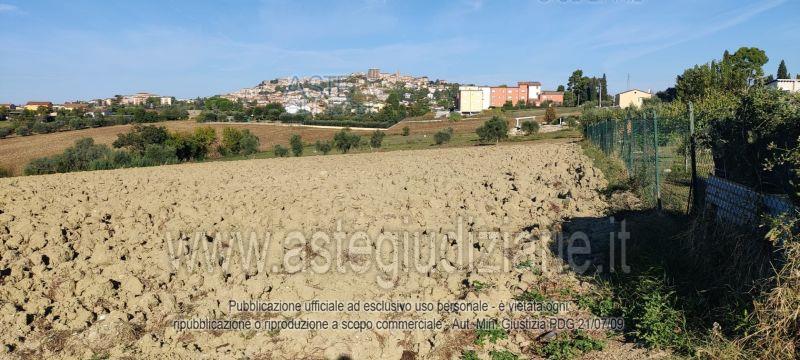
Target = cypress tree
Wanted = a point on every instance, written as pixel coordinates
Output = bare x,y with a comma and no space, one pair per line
604,84
783,73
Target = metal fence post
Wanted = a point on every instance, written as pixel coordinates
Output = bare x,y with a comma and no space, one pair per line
655,151
693,194
629,130
613,137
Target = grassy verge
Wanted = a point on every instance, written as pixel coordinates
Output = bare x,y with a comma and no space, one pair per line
675,186
613,169
695,287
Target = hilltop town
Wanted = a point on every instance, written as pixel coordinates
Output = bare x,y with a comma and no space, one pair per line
366,92
355,93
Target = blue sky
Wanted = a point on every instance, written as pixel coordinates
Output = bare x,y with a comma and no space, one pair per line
81,49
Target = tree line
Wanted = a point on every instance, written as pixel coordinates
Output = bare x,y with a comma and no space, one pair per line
44,120
146,146
583,89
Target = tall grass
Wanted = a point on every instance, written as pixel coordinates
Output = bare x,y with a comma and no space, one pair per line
704,289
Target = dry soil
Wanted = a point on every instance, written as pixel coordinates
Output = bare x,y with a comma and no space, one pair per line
100,263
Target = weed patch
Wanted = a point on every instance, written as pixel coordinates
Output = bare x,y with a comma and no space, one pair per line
600,303
469,355
492,333
479,286
503,355
569,345
531,295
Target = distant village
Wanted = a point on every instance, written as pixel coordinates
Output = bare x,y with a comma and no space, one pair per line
361,91
315,94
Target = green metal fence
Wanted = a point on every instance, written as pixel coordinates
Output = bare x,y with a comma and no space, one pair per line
657,154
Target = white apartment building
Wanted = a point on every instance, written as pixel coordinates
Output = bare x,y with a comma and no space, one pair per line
470,99
790,85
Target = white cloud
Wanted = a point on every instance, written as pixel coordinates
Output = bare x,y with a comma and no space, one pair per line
8,8
669,38
475,4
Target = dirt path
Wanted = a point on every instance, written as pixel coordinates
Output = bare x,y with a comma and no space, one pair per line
102,263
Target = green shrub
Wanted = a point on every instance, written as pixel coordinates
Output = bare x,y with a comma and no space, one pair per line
249,143
230,139
23,130
4,172
406,131
205,135
116,159
77,123
480,286
503,355
530,127
79,157
345,140
323,146
141,136
40,127
652,311
550,115
443,136
599,304
173,113
187,147
280,151
469,355
530,296
5,131
493,130
376,140
572,121
492,333
297,145
454,116
44,165
570,345
763,127
207,116
235,142
158,154
528,264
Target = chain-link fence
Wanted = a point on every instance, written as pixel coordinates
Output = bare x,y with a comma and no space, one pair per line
657,154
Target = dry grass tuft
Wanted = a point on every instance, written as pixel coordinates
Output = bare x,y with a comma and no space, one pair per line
777,333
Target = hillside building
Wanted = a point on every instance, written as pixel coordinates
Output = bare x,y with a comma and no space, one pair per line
790,85
633,97
35,105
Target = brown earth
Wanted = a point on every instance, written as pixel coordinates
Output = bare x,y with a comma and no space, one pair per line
99,264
